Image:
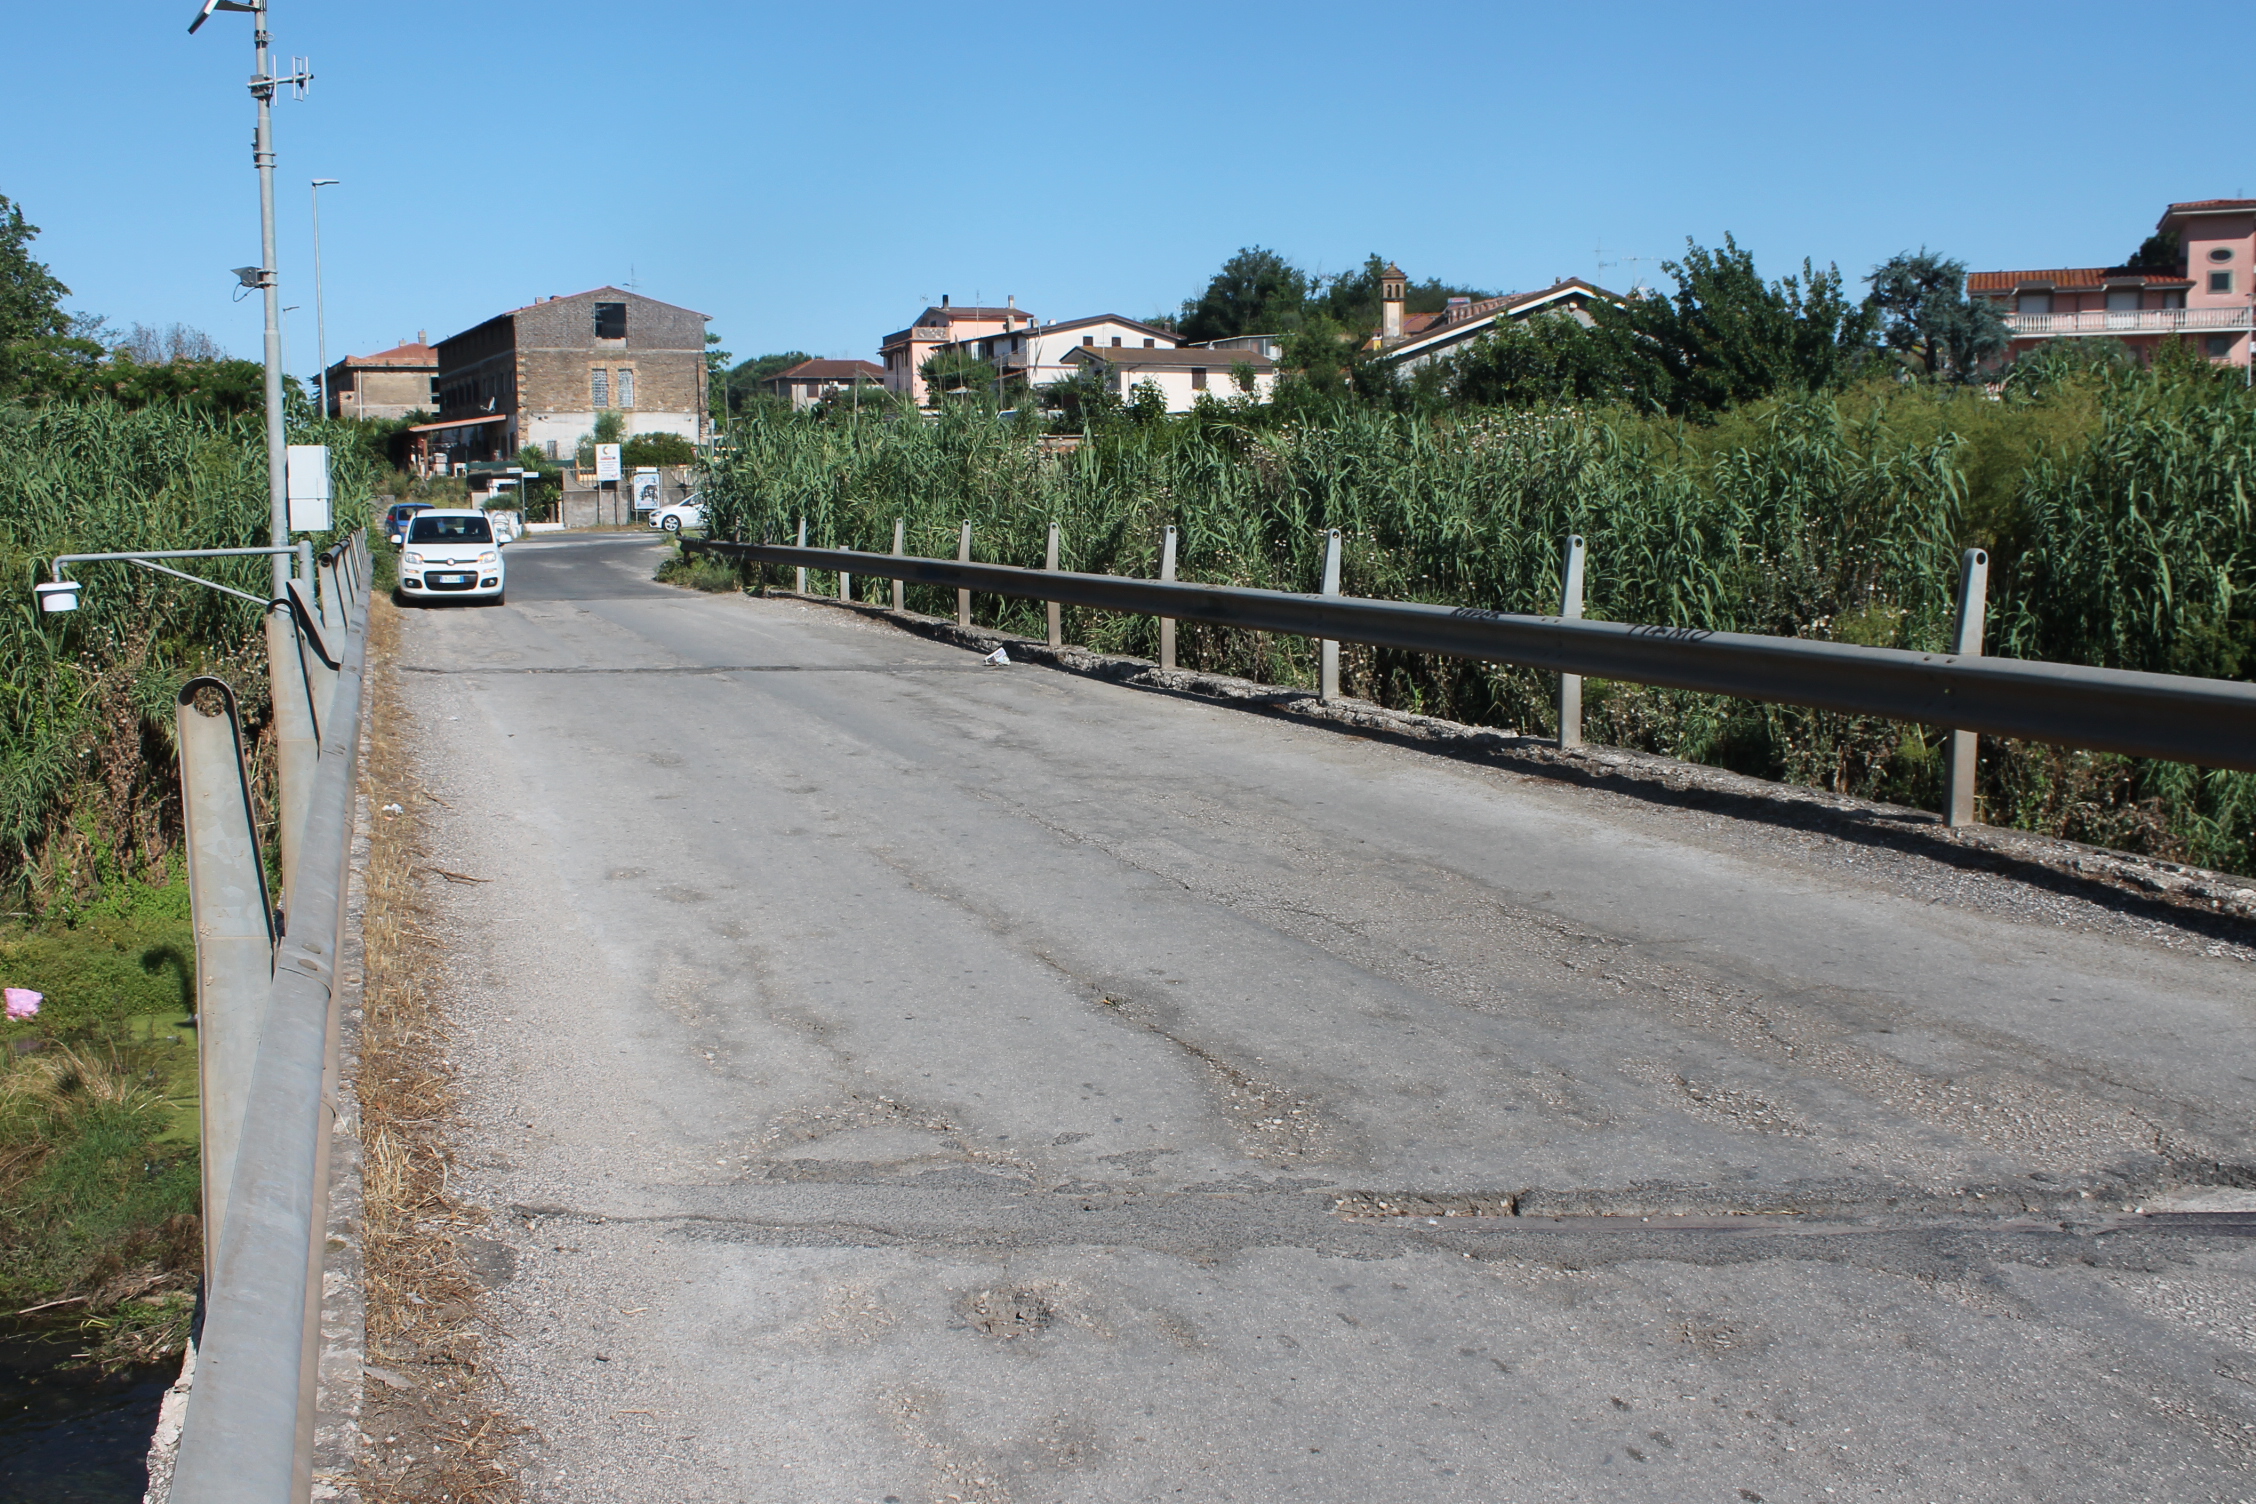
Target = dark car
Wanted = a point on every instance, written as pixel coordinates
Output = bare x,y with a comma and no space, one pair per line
395,520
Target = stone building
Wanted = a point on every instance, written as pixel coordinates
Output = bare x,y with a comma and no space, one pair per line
540,374
389,384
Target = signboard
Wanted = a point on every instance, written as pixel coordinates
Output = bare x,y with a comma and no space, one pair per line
646,488
308,467
607,462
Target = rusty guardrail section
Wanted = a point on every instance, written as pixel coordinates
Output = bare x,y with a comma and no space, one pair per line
267,1037
2207,721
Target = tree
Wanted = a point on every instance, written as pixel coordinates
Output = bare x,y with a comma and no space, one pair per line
657,449
1726,336
949,372
1256,292
1926,316
2159,255
39,354
742,383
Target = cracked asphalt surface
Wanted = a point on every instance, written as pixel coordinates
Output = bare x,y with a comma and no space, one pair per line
899,1079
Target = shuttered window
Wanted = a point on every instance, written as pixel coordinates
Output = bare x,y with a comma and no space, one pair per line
626,387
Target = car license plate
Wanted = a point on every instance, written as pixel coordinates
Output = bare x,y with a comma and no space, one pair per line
452,579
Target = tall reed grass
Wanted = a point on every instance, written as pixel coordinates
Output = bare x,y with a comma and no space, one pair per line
87,784
1821,517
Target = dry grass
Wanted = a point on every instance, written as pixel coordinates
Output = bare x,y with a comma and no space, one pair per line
435,1427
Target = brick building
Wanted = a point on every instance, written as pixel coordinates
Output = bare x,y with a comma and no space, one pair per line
389,384
540,374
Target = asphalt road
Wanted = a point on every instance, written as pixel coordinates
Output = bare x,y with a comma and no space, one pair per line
896,1078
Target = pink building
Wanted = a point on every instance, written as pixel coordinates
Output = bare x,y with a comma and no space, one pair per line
2208,295
905,351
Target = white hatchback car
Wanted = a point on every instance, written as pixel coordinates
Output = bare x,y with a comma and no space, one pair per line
687,512
451,553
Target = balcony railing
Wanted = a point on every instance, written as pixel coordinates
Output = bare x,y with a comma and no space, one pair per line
2128,321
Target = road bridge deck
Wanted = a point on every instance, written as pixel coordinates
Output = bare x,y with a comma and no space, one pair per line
901,1079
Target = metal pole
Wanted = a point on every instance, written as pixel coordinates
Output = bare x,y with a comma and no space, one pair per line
800,584
1167,623
320,314
277,440
1057,612
1963,752
1570,609
1327,684
900,551
963,597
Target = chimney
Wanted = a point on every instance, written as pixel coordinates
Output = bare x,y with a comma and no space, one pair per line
943,300
1010,312
1391,290
422,336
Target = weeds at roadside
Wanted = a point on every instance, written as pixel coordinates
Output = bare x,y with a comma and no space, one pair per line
431,1408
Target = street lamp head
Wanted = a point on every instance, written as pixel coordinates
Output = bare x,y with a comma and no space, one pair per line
211,5
325,182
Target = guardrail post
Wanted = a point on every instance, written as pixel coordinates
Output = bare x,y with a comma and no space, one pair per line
963,597
1964,749
1057,612
845,586
1570,609
1167,623
234,925
1327,684
900,551
800,585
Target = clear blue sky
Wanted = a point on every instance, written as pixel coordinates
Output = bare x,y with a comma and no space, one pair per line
811,175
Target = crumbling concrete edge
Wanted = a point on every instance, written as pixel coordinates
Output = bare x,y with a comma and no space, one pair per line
340,1383
2196,890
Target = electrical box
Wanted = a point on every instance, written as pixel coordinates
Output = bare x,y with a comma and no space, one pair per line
309,488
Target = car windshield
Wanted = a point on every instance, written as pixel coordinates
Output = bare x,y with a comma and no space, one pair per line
428,529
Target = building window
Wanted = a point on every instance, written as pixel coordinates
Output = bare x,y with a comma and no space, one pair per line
2219,346
1198,378
1088,339
610,321
626,386
2122,299
599,387
1151,344
2221,253
2220,281
2033,302
1116,341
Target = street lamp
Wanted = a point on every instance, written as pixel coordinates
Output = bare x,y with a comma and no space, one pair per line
320,318
263,83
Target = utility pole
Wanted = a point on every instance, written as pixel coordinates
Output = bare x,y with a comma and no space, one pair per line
263,84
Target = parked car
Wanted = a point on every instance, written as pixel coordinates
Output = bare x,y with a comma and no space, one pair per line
508,525
451,552
395,520
687,512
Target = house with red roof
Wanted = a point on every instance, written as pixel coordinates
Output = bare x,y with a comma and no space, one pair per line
2195,280
814,381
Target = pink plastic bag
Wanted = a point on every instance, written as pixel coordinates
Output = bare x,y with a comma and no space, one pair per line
23,1002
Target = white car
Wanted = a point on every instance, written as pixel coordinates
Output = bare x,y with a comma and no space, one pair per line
687,512
451,553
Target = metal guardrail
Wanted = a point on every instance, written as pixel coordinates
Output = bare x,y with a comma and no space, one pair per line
268,1022
2207,721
